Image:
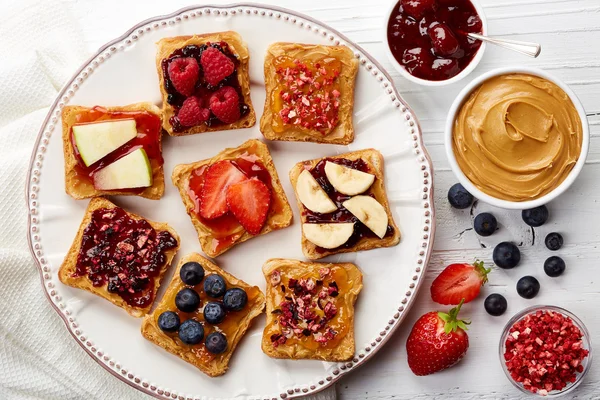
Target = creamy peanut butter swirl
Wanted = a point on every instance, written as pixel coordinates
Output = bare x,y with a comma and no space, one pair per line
517,137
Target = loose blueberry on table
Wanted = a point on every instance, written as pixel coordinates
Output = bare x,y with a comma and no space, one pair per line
429,38
554,266
495,304
535,217
506,255
459,197
485,224
554,241
528,287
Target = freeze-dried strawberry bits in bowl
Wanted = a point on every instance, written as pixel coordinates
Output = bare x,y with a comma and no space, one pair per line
545,351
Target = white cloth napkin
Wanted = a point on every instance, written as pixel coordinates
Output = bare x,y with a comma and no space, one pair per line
41,45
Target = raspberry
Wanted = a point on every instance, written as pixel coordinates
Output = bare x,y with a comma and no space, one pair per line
217,66
183,72
225,104
192,113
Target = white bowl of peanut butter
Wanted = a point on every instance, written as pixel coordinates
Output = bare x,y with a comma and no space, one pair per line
517,137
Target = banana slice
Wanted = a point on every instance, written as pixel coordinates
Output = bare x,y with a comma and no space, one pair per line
346,180
328,236
370,212
312,195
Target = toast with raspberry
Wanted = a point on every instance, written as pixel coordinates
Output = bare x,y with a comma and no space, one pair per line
310,93
233,196
204,83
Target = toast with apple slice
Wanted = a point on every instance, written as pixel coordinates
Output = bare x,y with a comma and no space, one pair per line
113,151
343,204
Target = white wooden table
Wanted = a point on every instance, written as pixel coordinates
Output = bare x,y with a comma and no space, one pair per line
569,31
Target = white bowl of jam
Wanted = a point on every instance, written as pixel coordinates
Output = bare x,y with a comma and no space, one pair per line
427,43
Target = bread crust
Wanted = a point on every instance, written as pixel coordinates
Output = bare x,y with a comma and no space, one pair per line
83,190
344,131
218,365
82,282
293,268
275,220
166,47
374,160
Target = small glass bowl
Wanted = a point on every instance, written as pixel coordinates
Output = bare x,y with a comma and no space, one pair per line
587,344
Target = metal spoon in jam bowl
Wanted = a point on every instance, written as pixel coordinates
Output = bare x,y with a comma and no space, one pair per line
528,48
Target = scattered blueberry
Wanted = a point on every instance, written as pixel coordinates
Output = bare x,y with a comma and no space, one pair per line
528,287
216,343
191,273
187,300
535,216
459,197
554,266
168,321
506,255
235,299
214,285
214,313
191,332
495,304
485,224
554,241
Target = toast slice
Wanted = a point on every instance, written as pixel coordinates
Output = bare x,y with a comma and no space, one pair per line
214,239
234,326
77,184
168,46
373,161
323,332
339,95
108,222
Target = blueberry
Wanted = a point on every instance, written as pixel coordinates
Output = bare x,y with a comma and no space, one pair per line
168,321
191,332
495,304
554,266
506,255
535,216
187,300
485,224
216,343
235,299
459,197
191,273
214,285
554,241
214,313
528,287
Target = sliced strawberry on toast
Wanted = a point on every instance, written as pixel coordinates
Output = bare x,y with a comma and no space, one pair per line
213,195
249,202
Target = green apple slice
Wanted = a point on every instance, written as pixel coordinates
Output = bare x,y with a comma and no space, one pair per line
97,139
131,171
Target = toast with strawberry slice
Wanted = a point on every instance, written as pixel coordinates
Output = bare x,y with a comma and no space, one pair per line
233,196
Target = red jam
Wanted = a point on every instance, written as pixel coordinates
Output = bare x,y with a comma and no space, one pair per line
544,351
307,95
429,37
341,215
149,129
311,309
203,89
125,253
226,229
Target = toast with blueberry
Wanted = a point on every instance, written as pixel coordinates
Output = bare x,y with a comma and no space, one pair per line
310,309
203,314
204,83
119,256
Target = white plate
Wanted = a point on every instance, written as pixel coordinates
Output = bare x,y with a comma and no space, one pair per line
124,72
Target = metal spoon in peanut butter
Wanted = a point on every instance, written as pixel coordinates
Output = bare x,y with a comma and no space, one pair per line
517,137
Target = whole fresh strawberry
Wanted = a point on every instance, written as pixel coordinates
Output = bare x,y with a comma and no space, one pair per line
437,341
459,282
